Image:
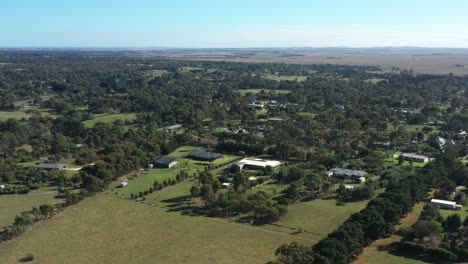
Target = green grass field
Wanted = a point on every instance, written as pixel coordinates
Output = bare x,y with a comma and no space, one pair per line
285,78
4,115
155,73
256,91
106,229
110,119
12,205
375,80
144,180
317,218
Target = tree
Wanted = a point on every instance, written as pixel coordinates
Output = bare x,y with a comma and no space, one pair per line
194,191
294,253
453,223
46,210
207,194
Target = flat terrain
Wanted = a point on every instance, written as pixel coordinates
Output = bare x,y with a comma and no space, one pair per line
4,115
12,205
318,218
256,91
106,229
110,119
435,61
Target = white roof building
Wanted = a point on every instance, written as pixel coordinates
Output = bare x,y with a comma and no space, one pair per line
257,163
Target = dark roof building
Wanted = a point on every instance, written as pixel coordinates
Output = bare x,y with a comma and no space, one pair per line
164,162
204,155
50,166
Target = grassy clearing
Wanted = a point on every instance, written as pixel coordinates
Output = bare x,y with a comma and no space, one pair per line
317,218
190,69
284,78
110,119
12,205
375,80
463,213
4,115
256,91
155,73
106,229
142,181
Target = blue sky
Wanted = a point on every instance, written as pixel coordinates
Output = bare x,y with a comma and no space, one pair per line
241,23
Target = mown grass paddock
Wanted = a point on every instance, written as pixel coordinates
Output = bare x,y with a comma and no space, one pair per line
12,205
106,229
110,119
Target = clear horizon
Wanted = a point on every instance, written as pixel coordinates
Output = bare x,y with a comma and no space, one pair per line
240,24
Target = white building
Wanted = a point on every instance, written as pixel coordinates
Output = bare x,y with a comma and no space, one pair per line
257,163
415,158
444,204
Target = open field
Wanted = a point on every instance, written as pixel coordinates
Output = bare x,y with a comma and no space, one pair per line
144,180
375,80
113,230
110,119
4,115
317,217
12,205
435,61
256,91
154,73
285,78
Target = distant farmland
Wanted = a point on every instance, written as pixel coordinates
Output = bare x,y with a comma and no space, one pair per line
433,61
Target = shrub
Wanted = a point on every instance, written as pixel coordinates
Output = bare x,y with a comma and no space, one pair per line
412,247
441,254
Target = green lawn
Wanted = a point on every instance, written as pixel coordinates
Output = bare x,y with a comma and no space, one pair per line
285,78
12,205
110,119
155,73
256,91
144,180
189,69
4,115
317,217
106,229
375,80
463,213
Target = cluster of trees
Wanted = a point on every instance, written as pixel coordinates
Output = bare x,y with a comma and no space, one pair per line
257,207
436,237
25,219
159,186
377,219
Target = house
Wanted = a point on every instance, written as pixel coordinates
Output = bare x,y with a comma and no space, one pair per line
226,185
123,184
349,187
164,162
204,155
342,173
444,204
172,128
50,166
415,158
462,133
2,187
257,164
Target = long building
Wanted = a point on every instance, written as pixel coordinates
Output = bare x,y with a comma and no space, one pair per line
257,164
444,204
415,158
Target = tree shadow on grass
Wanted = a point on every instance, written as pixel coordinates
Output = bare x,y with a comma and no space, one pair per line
176,200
